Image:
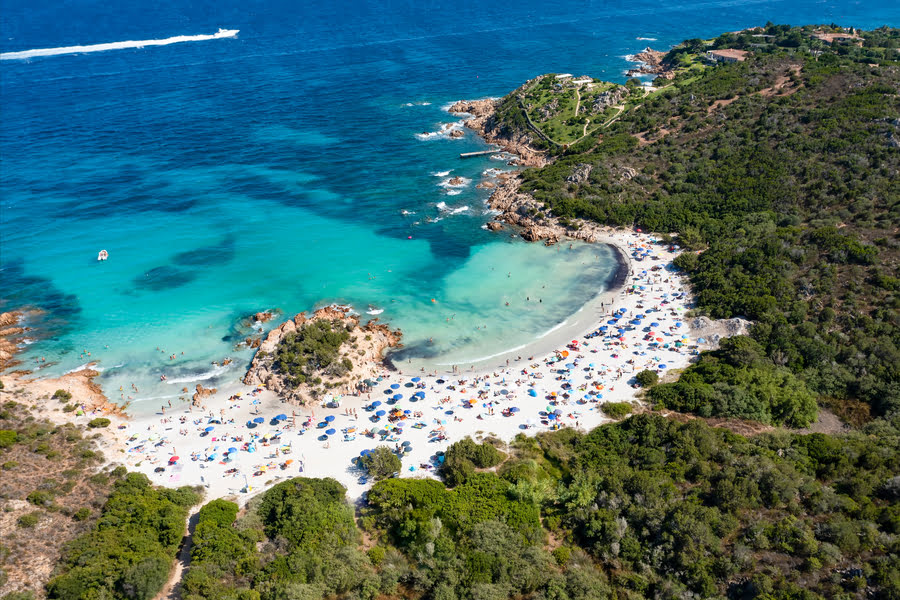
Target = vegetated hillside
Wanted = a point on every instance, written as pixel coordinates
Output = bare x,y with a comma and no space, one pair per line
51,491
72,530
781,174
645,508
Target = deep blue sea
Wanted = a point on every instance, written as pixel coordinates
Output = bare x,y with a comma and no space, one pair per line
286,168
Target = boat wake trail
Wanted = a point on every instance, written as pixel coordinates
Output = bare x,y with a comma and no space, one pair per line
222,33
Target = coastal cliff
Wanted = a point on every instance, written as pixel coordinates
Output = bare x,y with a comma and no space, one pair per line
363,350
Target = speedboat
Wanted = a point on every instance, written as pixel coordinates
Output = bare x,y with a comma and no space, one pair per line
225,33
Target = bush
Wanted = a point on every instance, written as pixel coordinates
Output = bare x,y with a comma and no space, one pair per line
381,463
29,520
616,410
98,422
463,457
8,438
62,395
9,465
40,498
82,514
647,378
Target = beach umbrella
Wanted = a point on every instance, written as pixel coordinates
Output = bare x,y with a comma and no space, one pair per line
635,321
604,328
398,397
174,459
514,409
210,428
395,386
532,393
259,420
678,324
365,453
281,417
416,379
330,432
420,394
654,324
701,341
407,444
558,411
230,450
504,392
329,418
376,403
380,413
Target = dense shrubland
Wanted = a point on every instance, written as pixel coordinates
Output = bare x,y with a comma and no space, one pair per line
644,508
313,348
790,194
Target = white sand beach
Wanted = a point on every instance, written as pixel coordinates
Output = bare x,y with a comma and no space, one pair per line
245,438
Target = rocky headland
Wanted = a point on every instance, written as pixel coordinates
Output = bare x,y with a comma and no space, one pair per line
483,120
364,349
652,63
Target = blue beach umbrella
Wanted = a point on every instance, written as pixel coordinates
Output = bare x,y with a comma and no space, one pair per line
259,420
514,409
329,418
635,321
662,366
230,450
420,394
380,413
281,417
395,386
532,393
210,428
416,379
376,403
330,432
654,324
398,396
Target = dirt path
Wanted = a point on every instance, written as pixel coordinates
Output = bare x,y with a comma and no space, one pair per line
172,588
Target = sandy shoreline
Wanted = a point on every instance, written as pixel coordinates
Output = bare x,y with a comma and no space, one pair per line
601,370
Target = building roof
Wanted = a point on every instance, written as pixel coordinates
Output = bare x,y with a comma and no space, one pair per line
730,53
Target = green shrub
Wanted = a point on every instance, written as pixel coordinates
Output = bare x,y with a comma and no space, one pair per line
62,395
616,410
82,514
40,498
29,520
98,422
463,457
8,438
381,463
9,465
647,378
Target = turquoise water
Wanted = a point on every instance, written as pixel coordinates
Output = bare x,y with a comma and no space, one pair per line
282,169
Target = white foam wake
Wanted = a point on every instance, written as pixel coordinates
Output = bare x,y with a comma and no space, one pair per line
647,39
222,33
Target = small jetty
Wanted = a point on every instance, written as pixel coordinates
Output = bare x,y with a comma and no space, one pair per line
479,153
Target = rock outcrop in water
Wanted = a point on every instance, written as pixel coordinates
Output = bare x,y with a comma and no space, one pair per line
365,350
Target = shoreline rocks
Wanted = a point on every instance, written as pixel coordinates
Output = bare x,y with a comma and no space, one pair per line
483,121
651,63
365,350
